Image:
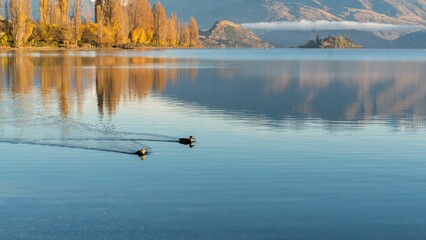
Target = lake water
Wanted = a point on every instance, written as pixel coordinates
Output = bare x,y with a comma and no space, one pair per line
291,144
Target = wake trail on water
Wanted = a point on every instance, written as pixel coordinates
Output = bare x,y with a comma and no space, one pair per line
69,133
39,142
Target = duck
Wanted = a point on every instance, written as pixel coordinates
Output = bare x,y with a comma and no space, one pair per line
141,152
187,141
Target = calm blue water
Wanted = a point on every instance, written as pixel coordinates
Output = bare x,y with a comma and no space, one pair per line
291,144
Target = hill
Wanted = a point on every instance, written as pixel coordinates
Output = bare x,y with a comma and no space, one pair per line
331,42
226,34
412,40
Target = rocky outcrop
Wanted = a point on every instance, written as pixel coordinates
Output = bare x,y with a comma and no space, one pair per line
331,42
226,34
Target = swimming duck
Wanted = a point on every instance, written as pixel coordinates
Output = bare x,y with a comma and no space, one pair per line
187,141
141,152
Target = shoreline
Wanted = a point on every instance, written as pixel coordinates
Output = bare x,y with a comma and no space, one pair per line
92,48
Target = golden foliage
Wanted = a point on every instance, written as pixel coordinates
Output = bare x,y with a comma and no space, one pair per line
4,39
89,33
193,32
116,24
160,24
44,11
18,12
45,34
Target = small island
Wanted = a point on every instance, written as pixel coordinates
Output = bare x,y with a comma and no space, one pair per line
331,42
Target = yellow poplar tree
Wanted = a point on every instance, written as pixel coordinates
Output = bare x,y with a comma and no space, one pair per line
172,30
63,12
184,37
29,25
44,11
160,24
76,20
98,10
100,24
193,32
18,12
141,21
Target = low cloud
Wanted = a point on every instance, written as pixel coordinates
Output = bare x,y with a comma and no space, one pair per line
306,25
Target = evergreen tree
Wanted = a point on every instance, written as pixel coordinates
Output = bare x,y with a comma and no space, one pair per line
318,41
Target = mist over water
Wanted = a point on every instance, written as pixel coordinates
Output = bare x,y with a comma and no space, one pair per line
306,144
307,25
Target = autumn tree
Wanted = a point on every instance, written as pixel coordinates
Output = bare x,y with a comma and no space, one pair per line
52,12
135,14
141,21
160,24
193,32
76,20
184,35
29,10
117,22
121,24
63,12
87,14
100,24
29,25
44,11
172,30
18,12
98,10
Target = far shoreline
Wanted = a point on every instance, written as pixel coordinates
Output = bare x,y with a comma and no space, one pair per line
74,47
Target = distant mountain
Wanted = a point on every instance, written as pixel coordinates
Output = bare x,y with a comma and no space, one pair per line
412,40
240,11
297,38
331,42
226,34
208,12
